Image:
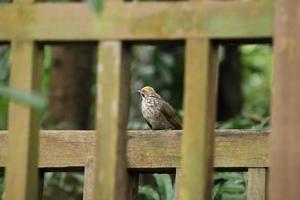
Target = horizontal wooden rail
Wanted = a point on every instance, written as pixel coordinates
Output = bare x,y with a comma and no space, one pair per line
148,149
137,21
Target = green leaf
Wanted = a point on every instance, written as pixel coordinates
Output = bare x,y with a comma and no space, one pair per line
165,187
149,193
216,191
33,100
95,5
233,188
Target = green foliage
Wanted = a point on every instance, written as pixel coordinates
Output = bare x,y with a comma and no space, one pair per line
164,190
256,62
65,185
33,100
165,187
95,5
45,81
230,186
149,193
4,77
245,121
227,186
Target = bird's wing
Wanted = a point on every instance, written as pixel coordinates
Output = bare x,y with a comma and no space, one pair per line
170,114
149,124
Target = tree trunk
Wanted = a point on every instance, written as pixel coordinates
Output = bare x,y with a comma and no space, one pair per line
71,79
230,99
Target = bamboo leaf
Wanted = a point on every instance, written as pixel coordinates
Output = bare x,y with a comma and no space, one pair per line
95,5
149,193
33,100
165,187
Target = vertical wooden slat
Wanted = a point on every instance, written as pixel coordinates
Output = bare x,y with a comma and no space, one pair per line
21,178
256,184
112,114
133,178
88,184
199,118
178,178
177,183
285,119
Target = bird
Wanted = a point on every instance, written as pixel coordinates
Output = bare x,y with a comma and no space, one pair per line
157,112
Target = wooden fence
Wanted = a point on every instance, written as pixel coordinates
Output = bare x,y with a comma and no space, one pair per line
202,24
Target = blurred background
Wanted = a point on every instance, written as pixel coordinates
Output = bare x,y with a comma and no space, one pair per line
68,85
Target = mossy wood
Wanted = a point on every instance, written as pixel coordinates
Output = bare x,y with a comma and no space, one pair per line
285,120
112,112
199,106
21,165
138,20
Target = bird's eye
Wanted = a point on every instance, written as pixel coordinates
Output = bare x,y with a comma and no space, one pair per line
143,95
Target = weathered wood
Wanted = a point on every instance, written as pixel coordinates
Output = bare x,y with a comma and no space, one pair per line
285,120
177,183
199,119
138,20
132,178
256,184
89,175
149,149
112,114
21,175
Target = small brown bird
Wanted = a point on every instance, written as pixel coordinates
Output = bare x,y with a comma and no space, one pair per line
158,113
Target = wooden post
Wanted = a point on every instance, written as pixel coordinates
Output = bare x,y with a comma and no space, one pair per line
177,183
21,178
256,184
199,119
112,113
89,170
285,119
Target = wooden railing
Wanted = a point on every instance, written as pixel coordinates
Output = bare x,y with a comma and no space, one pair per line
153,151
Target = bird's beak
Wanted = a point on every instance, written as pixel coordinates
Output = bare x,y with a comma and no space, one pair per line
139,91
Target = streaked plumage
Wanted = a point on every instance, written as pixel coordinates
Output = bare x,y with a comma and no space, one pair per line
158,113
